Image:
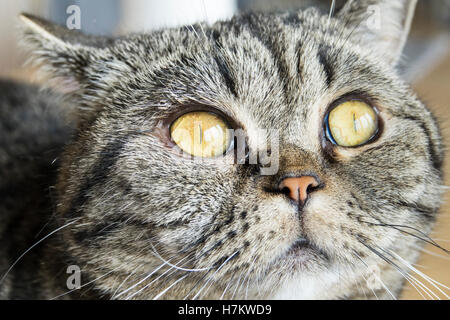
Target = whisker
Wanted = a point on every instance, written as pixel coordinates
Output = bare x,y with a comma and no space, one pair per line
197,283
433,282
193,29
177,267
333,5
212,276
205,12
82,286
237,286
400,270
427,290
441,240
358,283
357,25
140,281
387,289
378,278
168,288
227,286
247,276
123,282
169,272
33,246
373,291
150,283
431,253
427,240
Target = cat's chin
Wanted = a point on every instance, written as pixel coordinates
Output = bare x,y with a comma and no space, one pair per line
308,273
302,254
301,260
307,286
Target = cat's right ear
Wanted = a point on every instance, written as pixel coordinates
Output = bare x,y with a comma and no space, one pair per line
65,56
381,25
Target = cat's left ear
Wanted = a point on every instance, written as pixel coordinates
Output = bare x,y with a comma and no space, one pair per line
67,56
381,25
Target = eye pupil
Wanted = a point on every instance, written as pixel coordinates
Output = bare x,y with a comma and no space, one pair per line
352,123
200,133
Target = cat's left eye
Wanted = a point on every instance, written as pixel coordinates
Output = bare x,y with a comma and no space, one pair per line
201,134
352,124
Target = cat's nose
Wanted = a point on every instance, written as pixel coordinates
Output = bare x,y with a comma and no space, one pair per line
299,188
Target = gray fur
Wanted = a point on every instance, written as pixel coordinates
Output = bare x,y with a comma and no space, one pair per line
133,202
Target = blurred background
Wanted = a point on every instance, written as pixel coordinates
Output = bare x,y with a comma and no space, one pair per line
426,63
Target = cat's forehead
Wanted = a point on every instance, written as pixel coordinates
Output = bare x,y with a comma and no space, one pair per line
267,67
271,72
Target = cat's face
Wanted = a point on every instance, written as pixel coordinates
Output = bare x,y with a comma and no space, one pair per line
154,218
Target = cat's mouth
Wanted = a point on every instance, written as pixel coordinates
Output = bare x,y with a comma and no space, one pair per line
303,250
299,245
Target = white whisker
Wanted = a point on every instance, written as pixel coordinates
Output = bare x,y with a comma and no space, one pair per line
168,288
237,286
371,288
138,283
177,267
422,286
378,278
433,282
148,284
212,276
412,280
88,283
34,245
333,5
226,288
169,271
123,282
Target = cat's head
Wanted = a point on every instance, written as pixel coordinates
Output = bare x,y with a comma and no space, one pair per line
354,157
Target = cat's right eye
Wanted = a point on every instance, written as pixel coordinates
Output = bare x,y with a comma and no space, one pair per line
352,124
201,134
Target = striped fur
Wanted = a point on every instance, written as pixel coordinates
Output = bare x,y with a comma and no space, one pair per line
142,219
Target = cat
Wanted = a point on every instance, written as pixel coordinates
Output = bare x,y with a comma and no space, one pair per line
127,210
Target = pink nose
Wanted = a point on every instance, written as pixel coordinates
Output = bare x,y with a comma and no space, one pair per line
299,187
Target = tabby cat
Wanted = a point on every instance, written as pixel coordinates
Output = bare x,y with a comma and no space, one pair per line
271,156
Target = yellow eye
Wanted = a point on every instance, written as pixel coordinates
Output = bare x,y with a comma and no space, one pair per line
201,134
352,123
